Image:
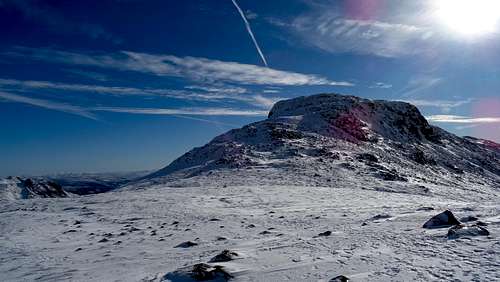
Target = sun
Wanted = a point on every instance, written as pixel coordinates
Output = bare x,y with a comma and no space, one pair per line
469,17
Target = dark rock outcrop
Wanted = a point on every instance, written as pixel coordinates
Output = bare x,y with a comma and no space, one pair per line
460,231
224,256
340,278
187,244
444,219
199,272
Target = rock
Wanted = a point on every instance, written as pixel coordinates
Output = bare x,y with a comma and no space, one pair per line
324,234
468,218
340,278
27,188
133,229
459,231
224,256
421,158
381,216
444,219
391,176
481,223
69,231
425,209
367,157
199,272
103,240
187,244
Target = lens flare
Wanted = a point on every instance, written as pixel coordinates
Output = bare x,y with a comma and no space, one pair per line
469,17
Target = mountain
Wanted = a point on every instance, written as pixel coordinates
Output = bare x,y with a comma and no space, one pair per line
13,188
324,139
327,188
94,183
59,185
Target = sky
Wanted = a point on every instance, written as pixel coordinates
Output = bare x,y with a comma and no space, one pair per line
124,85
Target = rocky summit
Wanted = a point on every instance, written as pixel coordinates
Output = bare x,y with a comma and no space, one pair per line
324,139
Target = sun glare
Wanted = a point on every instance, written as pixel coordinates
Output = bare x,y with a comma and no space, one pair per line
469,17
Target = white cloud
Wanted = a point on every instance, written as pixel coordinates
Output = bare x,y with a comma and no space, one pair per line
463,119
328,31
444,105
418,84
24,85
192,68
88,111
51,105
251,15
213,89
270,91
205,93
380,85
184,111
264,102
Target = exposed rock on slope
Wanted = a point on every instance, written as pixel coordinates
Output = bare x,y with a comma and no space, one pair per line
13,188
444,219
325,138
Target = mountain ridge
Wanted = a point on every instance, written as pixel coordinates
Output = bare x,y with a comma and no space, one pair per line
331,137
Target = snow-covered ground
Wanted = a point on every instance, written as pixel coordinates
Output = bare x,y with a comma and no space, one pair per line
131,235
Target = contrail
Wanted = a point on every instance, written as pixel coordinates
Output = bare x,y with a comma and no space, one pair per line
249,29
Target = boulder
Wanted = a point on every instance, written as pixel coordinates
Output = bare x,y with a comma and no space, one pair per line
340,278
199,272
468,218
224,256
367,157
187,244
381,216
444,219
324,234
460,231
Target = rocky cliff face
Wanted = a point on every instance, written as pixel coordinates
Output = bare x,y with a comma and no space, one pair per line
327,138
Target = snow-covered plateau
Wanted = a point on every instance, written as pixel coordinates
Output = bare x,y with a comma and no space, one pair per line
327,188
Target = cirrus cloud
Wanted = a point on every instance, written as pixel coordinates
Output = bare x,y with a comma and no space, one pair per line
462,119
192,68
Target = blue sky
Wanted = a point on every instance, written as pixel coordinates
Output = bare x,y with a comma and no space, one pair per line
118,85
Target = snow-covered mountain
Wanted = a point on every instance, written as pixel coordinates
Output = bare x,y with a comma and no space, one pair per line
323,139
328,188
14,188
